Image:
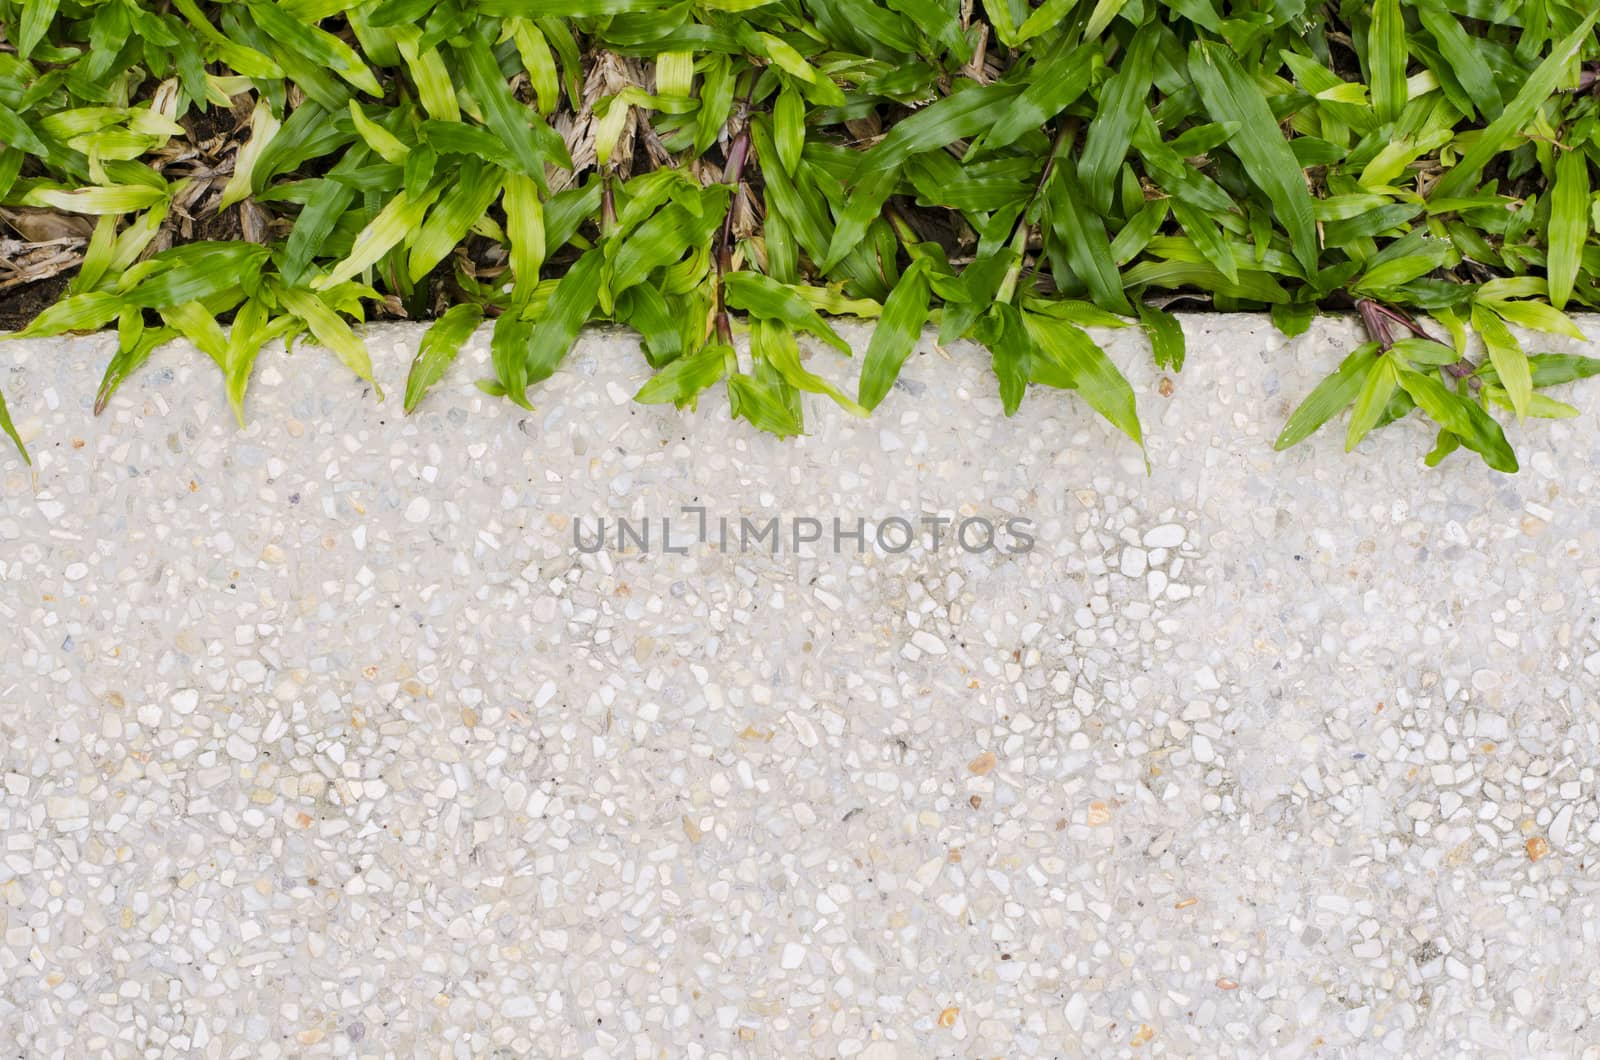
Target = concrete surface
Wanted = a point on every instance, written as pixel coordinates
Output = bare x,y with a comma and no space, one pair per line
325,738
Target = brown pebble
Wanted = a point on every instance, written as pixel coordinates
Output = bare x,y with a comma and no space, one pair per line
948,1017
1538,847
1165,386
982,765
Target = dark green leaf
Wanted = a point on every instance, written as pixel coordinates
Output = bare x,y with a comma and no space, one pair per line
1465,419
1331,396
766,299
1231,96
439,346
905,313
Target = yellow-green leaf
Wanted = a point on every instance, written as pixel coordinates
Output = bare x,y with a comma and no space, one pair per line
1507,356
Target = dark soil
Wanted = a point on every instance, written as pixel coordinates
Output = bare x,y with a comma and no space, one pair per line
19,305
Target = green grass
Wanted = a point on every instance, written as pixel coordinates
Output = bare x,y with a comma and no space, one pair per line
1013,173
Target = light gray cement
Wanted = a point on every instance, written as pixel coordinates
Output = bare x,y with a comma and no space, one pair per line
323,737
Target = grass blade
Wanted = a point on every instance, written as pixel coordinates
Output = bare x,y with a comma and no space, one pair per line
1111,131
11,430
1517,114
1386,59
1331,396
1099,381
1167,342
1266,155
1465,419
437,351
1506,354
1373,398
905,313
1569,224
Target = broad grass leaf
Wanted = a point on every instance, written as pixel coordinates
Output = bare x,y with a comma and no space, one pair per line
383,142
438,349
569,309
520,129
1371,401
196,323
682,381
1082,233
1211,241
546,79
193,272
1100,17
789,129
864,204
773,342
1056,82
314,45
11,430
1517,114
667,327
462,204
124,198
1231,96
1535,316
905,314
1465,419
248,332
508,353
1507,356
762,403
1331,396
1167,343
957,116
1099,381
399,218
766,299
1121,104
263,127
331,331
1459,50
89,311
36,18
1001,330
1293,319
1553,369
1568,229
1386,58
669,234
525,228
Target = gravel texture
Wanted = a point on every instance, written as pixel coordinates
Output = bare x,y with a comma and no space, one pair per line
324,737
